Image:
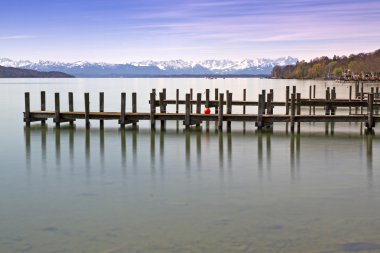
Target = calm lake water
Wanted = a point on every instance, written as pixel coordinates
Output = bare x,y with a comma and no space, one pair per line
72,190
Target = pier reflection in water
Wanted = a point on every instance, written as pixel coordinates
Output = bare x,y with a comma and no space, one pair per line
197,146
142,181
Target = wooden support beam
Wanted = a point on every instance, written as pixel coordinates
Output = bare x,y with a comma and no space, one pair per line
356,90
269,105
244,99
191,99
287,100
349,98
152,110
263,92
164,104
122,110
101,108
27,109
176,101
187,111
216,99
314,88
260,110
361,96
229,108
292,111
220,111
333,98
87,109
162,107
310,95
207,105
71,106
294,89
43,105
134,106
298,111
57,118
327,107
370,121
199,105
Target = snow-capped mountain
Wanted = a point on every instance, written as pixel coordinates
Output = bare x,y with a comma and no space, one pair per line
155,68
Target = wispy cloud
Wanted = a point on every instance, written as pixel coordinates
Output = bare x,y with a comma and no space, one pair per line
16,37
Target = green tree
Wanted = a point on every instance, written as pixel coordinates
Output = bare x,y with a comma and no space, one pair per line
337,72
315,71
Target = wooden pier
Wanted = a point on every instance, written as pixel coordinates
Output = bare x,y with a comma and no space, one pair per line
223,104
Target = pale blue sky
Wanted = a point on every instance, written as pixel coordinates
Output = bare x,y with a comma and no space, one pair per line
118,31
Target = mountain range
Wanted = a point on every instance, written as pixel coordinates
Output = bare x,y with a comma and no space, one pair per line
10,72
261,67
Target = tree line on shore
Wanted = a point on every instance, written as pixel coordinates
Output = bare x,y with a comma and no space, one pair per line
363,66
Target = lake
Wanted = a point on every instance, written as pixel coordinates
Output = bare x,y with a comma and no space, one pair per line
72,190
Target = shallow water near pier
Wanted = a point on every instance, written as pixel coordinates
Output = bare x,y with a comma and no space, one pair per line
78,190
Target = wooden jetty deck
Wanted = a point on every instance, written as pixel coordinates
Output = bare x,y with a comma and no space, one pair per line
264,117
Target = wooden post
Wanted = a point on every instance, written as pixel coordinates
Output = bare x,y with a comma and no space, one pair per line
244,99
199,105
216,99
260,111
294,89
207,105
177,101
292,111
163,122
57,118
269,103
377,96
191,100
349,99
162,107
327,107
152,110
229,108
87,109
27,109
43,105
314,98
287,100
333,97
187,110
356,90
310,94
263,92
220,114
361,97
370,123
101,108
71,106
134,105
122,110
299,111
